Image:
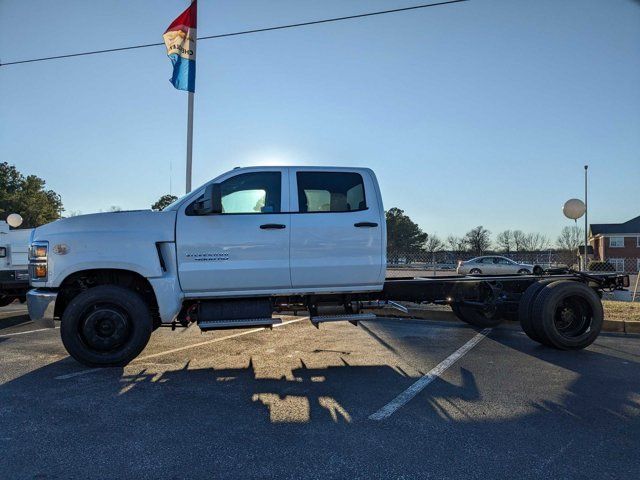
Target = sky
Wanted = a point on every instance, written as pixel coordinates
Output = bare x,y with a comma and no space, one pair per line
477,113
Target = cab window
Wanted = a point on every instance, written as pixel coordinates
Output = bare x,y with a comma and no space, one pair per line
257,192
330,192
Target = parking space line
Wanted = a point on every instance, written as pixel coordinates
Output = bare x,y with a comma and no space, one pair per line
28,331
402,399
179,349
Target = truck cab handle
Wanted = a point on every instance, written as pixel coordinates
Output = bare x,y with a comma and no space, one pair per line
272,226
365,224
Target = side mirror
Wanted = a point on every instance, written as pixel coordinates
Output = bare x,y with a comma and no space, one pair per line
211,201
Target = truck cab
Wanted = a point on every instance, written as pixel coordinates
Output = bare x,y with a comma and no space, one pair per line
227,254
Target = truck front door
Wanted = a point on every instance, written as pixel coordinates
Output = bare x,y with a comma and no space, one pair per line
245,249
337,231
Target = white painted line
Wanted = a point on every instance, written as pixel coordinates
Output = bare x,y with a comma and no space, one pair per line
402,399
28,331
179,349
77,374
215,340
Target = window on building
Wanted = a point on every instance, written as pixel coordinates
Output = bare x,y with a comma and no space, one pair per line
637,241
618,264
330,192
616,242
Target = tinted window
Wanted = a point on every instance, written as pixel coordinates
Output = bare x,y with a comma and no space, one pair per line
257,192
330,192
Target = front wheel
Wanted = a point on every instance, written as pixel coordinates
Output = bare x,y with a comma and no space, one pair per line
524,271
106,326
475,271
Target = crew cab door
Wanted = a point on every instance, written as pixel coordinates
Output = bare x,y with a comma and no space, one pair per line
246,247
337,229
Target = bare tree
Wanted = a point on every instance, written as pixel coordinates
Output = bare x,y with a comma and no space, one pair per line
533,242
504,240
433,246
570,238
568,241
478,239
518,240
455,244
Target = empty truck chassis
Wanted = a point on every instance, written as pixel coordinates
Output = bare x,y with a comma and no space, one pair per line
260,240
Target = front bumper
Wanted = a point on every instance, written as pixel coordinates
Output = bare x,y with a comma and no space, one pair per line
41,304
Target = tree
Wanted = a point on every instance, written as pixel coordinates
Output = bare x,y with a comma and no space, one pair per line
518,240
455,244
433,246
404,237
163,201
570,239
478,239
504,240
28,197
534,242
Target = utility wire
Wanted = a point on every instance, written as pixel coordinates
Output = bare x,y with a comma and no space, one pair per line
233,34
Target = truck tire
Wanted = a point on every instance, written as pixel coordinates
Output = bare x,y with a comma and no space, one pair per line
525,309
476,317
106,326
568,314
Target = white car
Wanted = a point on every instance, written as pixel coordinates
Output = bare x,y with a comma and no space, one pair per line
494,265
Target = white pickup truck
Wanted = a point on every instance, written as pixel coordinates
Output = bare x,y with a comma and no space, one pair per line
254,241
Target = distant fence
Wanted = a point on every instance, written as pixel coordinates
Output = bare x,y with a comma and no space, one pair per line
401,264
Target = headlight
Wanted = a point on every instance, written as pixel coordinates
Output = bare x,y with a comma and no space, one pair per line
38,251
38,261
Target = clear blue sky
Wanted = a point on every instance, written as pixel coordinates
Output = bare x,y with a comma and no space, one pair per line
479,113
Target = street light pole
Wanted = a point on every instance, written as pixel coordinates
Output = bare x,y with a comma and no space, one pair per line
586,214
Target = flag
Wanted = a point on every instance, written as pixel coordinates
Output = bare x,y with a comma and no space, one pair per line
180,39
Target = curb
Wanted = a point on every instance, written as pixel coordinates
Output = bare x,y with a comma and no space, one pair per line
618,326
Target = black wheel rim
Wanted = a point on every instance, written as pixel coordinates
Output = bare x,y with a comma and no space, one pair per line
105,327
573,317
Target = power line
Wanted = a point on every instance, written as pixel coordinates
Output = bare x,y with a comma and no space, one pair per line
244,32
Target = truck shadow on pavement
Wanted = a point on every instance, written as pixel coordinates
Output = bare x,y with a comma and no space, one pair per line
239,422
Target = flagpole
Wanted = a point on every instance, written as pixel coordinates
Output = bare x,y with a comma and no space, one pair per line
189,142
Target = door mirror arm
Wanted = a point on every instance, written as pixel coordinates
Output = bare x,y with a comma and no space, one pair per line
211,202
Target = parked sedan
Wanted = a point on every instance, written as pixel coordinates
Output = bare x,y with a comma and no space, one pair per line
491,265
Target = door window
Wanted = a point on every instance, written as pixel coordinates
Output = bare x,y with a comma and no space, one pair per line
330,192
255,192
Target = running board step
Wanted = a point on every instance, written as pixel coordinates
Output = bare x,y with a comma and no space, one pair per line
354,318
239,323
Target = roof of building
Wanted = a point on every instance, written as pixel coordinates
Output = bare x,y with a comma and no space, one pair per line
631,226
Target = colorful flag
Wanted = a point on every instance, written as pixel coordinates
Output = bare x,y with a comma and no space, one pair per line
180,39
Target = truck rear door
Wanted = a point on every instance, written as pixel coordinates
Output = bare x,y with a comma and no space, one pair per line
245,249
337,227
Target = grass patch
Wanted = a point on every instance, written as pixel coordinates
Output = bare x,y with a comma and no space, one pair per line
621,310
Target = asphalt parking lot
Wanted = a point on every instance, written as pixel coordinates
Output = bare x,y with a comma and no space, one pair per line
338,402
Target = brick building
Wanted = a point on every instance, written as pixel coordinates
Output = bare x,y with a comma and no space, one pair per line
617,243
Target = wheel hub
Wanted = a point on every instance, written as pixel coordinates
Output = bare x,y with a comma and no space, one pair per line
105,328
572,317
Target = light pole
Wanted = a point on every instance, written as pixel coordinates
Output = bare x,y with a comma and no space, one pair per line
586,224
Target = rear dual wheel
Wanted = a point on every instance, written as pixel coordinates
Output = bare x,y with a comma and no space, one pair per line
565,314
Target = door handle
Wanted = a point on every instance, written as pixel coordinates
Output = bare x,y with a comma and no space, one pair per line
365,224
272,226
